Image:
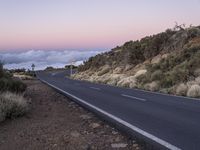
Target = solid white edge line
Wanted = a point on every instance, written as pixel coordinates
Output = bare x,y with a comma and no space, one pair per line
129,96
134,128
95,88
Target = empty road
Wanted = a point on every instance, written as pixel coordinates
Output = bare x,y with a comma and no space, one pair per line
167,121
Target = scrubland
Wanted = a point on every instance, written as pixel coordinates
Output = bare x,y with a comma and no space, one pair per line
12,101
167,62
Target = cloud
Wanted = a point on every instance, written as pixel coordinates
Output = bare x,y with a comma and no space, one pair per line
42,58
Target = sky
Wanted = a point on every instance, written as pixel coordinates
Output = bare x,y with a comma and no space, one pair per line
78,29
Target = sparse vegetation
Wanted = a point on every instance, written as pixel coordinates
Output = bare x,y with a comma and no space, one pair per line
194,91
12,102
170,61
7,83
181,89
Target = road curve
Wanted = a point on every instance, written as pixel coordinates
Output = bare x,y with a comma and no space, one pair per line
170,122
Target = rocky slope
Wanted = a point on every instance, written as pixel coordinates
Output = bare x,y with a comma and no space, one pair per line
167,62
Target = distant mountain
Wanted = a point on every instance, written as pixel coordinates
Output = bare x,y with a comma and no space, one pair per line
167,62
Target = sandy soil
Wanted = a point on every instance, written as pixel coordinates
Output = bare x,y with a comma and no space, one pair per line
56,123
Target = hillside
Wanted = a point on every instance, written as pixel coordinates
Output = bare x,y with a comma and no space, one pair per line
168,62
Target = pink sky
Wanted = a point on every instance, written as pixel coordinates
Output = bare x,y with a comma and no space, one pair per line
88,24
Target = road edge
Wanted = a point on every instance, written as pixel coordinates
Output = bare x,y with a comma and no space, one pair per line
118,122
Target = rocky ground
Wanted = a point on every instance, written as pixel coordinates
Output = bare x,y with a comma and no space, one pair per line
54,122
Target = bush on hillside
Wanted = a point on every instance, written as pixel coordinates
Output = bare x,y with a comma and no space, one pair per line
181,89
194,91
153,86
157,75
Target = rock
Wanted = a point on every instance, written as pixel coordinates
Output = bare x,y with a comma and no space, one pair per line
119,145
117,139
75,134
85,117
114,132
95,125
55,145
135,145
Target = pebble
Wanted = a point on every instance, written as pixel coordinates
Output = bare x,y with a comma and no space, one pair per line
75,134
85,117
135,145
95,125
114,132
119,145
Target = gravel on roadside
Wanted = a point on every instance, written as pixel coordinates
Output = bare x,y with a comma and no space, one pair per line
56,123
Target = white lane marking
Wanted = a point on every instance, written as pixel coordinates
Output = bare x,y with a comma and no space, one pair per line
134,128
132,97
159,93
95,88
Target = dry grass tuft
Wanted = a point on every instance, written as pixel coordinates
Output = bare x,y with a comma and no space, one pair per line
181,89
23,77
197,72
153,86
194,91
105,69
12,105
197,80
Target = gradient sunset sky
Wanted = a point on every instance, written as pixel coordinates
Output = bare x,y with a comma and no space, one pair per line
87,24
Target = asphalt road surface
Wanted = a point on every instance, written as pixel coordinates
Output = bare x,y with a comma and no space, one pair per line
169,121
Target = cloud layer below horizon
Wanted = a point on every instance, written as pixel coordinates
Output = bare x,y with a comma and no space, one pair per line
42,59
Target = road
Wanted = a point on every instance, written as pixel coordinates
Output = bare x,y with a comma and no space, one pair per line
170,122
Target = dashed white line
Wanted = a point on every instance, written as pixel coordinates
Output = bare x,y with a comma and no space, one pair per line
95,88
134,128
132,97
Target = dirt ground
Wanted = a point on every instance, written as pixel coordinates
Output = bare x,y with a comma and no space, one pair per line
56,123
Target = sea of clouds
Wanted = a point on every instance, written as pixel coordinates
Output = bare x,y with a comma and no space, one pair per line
42,58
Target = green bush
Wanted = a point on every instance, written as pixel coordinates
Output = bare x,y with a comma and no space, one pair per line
8,84
166,81
157,75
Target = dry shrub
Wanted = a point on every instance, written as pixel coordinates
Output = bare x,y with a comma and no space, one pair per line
197,72
118,70
156,75
197,80
194,91
128,67
127,81
190,83
23,77
156,59
153,86
140,72
104,70
181,89
12,105
113,79
133,84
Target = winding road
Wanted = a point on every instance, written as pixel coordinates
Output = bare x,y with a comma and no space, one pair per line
169,122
